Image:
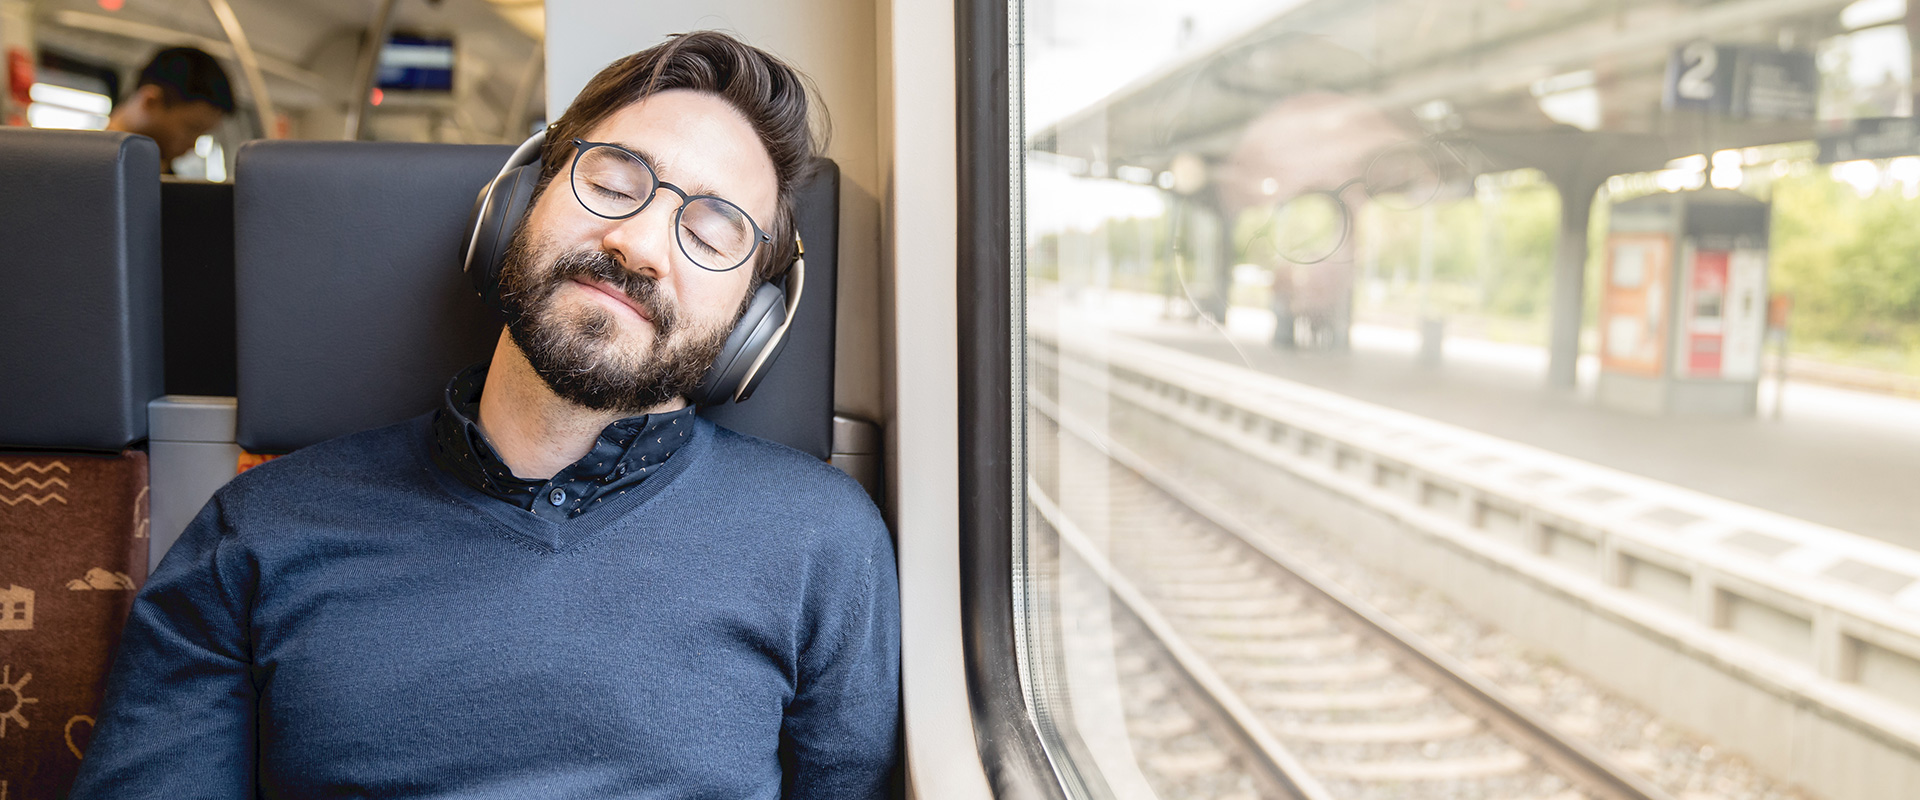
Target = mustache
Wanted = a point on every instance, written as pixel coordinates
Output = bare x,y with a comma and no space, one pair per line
599,265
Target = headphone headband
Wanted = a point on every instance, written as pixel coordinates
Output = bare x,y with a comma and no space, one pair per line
526,154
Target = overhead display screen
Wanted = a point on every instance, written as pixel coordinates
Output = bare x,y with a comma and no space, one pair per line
416,63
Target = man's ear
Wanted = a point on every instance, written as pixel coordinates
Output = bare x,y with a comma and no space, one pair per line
151,98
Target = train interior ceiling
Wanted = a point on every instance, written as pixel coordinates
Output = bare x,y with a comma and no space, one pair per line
1465,399
307,54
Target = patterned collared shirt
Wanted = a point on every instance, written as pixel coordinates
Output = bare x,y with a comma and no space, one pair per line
627,451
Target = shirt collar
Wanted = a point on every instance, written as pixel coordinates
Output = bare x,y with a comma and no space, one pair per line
625,454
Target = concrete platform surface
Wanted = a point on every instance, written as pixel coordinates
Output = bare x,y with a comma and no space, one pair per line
1837,457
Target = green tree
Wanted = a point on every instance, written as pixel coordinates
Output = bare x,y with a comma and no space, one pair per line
1852,265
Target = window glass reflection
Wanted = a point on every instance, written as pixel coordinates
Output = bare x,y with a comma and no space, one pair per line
1565,351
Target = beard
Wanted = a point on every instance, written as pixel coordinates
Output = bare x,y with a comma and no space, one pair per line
581,352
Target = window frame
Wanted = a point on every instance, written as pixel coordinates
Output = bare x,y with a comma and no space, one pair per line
990,467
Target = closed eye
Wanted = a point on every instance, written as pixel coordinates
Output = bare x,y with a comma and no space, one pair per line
688,233
609,192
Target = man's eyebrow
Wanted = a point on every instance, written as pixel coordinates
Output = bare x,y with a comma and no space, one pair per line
660,169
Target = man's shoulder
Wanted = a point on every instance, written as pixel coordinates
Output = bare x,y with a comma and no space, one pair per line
801,510
798,481
371,457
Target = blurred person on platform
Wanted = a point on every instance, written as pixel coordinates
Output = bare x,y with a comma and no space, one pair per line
182,95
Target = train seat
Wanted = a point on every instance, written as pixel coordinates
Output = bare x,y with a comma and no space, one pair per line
80,358
350,312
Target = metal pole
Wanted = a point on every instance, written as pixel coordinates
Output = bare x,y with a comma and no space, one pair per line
363,70
1489,243
168,37
249,65
1427,224
1430,324
1223,263
1780,376
1569,279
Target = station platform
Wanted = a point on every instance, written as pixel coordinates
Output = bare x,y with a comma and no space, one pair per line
1836,457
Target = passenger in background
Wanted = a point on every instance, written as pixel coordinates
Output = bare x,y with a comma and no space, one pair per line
563,583
182,95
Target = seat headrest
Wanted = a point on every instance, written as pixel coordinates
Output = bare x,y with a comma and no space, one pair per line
352,311
349,306
794,404
80,337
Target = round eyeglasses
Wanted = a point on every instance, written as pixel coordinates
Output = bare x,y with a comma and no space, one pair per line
1310,227
613,182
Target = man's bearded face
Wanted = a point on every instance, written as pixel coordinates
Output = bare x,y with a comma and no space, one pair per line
581,350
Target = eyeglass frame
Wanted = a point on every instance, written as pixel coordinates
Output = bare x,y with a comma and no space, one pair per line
581,146
1429,149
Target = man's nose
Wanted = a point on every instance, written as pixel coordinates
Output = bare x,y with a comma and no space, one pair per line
644,242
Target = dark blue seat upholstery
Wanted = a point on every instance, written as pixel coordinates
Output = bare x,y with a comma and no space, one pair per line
80,340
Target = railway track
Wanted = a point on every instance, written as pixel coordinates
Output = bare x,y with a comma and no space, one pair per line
1303,689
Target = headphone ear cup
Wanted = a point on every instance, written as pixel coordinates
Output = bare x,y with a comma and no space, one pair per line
753,380
756,330
497,214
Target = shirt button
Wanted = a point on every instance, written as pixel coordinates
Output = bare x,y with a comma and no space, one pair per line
557,497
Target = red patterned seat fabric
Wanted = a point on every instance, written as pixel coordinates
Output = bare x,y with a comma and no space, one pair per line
73,550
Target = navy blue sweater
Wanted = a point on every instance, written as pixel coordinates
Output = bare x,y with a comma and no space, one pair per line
350,621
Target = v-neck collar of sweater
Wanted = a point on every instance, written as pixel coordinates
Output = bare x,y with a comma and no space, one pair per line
561,534
626,453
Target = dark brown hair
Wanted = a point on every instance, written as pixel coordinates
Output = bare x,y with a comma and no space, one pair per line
185,75
769,93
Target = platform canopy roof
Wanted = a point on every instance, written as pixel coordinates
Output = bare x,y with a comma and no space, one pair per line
1310,96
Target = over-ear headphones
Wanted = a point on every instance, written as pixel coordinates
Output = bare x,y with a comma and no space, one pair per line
756,340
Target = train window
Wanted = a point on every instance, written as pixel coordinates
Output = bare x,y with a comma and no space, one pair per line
1487,398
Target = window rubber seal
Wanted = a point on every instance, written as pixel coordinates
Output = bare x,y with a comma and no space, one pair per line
1011,752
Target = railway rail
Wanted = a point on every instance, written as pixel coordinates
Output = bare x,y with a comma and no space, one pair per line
1319,694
